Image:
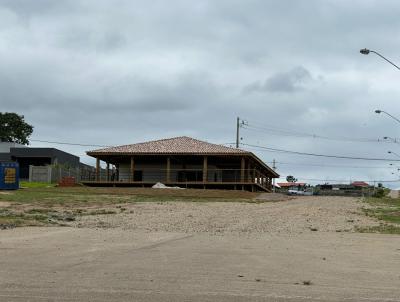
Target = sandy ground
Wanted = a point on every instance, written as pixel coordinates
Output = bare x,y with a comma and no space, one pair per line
394,193
205,252
294,216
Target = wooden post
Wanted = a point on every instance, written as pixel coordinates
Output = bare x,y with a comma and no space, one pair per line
97,169
168,169
254,176
132,170
205,169
242,167
108,171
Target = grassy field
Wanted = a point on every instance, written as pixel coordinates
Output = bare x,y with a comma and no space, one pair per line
38,204
387,210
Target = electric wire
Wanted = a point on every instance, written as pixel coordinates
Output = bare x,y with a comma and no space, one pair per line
319,155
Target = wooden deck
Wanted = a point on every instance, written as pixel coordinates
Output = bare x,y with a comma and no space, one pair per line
248,186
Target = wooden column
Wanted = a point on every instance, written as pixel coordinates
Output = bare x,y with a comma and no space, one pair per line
242,167
97,169
108,171
132,170
205,169
253,176
168,169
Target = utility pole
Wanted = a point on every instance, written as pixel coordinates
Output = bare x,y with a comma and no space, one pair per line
273,180
237,131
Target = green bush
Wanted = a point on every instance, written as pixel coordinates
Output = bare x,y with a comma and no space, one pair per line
379,193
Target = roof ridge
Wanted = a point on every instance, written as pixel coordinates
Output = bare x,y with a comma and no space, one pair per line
167,139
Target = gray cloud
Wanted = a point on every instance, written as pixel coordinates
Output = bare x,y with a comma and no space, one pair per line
291,81
114,73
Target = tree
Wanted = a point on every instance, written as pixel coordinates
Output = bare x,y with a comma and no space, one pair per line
13,128
291,178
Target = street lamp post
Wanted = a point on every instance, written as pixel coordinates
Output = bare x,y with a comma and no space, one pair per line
394,153
366,51
388,114
392,139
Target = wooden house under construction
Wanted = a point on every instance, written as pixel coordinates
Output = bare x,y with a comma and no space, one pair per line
183,162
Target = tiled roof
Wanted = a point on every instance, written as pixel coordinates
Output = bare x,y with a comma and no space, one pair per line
359,184
291,184
176,145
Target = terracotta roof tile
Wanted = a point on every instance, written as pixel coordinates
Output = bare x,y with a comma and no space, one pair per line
291,184
176,145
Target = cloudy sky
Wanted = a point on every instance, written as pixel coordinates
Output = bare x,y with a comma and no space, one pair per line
118,72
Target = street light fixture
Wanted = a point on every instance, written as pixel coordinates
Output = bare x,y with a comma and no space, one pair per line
391,152
378,111
366,51
392,139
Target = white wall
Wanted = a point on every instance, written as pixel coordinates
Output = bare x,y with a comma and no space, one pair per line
5,146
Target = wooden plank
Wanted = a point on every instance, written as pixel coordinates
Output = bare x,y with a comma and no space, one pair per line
242,167
132,170
108,171
97,169
205,169
168,169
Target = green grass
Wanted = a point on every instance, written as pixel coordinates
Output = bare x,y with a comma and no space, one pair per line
43,205
385,209
81,196
382,229
27,184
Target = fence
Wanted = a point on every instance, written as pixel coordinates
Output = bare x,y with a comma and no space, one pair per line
348,192
53,174
153,175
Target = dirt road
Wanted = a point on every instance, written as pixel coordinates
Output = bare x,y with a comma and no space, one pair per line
262,252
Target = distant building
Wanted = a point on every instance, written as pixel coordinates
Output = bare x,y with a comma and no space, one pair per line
360,184
291,185
27,156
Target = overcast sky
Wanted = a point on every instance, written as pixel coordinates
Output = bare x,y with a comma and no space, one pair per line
119,72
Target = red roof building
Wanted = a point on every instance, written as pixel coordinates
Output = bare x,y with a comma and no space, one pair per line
360,184
291,184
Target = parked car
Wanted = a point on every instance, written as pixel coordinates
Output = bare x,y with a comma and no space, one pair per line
296,192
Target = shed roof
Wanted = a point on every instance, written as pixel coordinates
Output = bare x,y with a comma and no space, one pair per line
176,145
360,184
291,184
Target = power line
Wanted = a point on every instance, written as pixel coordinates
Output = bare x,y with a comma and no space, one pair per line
88,145
345,180
333,166
319,155
67,143
272,129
